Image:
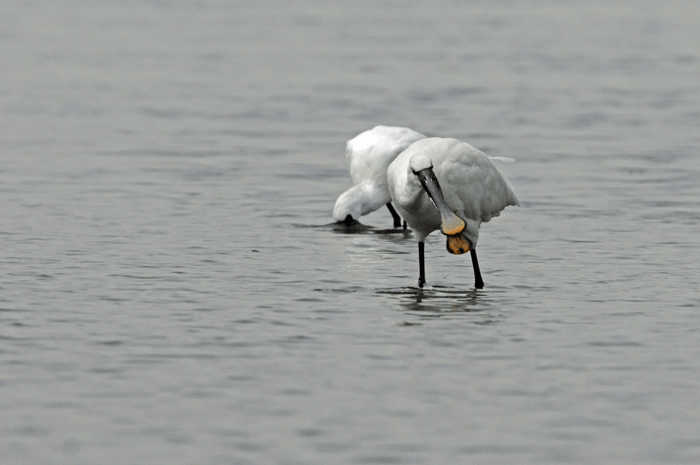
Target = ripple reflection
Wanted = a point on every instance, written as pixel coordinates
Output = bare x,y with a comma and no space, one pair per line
440,301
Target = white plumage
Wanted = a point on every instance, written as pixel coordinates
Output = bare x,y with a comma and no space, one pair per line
368,155
448,185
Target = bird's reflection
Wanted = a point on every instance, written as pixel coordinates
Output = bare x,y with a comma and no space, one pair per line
356,228
359,228
443,301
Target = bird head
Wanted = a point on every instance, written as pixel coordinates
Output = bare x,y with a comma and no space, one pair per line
422,167
348,207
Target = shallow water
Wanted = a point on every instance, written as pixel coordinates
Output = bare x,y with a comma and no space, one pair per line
173,290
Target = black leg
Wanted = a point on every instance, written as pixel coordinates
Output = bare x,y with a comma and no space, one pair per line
404,224
397,218
421,264
479,283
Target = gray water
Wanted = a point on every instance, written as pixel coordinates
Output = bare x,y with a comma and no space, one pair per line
172,289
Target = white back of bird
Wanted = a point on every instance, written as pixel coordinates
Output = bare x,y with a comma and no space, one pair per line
473,187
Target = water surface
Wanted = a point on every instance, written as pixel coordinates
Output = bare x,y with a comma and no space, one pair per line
173,290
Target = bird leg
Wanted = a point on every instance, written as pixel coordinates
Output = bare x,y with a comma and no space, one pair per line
451,225
397,218
421,264
478,282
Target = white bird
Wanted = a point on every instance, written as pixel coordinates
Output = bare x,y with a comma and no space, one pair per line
369,154
448,185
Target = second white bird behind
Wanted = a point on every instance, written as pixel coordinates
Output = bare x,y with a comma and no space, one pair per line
368,155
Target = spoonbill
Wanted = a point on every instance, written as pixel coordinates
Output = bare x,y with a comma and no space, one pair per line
446,184
369,154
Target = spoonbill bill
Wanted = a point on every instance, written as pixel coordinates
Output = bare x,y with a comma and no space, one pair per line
368,155
447,184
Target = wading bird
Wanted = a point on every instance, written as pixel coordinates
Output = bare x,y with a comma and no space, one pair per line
368,155
448,185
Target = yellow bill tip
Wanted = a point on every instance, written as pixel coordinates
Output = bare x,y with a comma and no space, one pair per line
457,245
